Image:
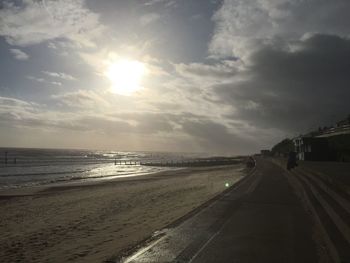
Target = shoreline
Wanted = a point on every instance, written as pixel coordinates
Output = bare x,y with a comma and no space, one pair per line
15,179
102,181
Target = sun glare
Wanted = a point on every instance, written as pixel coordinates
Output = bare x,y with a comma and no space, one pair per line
126,76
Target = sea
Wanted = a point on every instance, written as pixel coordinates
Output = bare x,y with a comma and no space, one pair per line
24,167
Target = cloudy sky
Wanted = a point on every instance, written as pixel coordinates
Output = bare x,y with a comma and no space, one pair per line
219,76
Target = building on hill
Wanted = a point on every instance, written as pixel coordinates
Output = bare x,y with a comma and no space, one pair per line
325,144
313,149
344,122
340,145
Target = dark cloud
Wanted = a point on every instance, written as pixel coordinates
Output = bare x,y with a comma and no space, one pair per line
217,137
294,90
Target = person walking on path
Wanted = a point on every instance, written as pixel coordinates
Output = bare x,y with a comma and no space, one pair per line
292,160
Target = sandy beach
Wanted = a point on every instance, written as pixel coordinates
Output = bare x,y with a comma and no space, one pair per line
95,222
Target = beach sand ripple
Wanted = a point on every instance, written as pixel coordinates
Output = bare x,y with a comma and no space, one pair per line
95,222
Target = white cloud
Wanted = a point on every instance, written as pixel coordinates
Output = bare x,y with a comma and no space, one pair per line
19,54
243,26
221,71
92,115
196,17
81,99
15,111
166,2
52,45
6,101
149,18
36,79
59,75
42,80
56,83
33,22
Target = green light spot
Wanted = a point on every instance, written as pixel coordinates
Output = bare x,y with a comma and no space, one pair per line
227,184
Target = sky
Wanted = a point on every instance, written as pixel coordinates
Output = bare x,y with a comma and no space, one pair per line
215,76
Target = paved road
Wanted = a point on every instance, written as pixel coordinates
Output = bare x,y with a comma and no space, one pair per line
261,220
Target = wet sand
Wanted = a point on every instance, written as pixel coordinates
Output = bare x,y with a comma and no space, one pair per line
95,222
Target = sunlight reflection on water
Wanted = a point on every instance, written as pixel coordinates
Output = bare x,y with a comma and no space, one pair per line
40,167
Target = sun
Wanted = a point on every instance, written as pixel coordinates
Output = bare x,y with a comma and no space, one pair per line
125,76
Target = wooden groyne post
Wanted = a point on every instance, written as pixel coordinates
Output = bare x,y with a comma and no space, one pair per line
127,162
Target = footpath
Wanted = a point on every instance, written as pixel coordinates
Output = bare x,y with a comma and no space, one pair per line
260,219
324,188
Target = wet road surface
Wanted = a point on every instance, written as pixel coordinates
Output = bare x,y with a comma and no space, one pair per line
260,220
